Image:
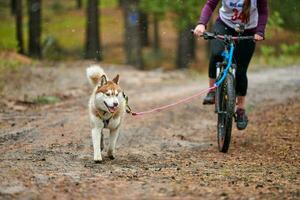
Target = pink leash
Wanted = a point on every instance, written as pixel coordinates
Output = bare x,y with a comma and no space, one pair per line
185,100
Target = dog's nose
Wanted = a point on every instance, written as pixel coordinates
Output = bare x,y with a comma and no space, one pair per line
116,104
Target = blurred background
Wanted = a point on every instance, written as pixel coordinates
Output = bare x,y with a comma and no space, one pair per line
147,34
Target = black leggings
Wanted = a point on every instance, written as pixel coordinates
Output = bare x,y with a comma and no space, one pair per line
243,53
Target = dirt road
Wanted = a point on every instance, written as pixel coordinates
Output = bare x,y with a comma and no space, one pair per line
46,151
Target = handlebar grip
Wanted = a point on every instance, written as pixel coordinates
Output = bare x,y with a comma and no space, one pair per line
204,34
209,35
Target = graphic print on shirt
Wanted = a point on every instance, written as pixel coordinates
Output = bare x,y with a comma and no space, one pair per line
231,13
237,8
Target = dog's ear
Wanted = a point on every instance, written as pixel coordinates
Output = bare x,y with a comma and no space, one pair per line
116,79
103,80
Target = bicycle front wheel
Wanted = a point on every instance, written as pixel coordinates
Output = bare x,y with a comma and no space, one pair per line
226,105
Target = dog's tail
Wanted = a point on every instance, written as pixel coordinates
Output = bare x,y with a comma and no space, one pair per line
95,74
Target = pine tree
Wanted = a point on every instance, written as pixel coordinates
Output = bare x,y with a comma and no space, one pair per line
92,44
35,29
133,43
19,26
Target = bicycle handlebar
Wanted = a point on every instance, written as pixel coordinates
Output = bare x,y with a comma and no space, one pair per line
211,36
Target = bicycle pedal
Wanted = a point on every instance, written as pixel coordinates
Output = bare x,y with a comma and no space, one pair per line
235,117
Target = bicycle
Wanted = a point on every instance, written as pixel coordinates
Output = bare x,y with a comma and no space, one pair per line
225,87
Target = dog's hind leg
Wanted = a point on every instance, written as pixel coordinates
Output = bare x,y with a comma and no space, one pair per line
113,137
96,136
102,141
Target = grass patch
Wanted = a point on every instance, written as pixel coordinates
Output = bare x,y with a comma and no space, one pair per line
44,100
11,62
7,34
109,3
276,61
7,66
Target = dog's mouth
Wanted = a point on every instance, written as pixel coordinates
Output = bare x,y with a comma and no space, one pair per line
111,109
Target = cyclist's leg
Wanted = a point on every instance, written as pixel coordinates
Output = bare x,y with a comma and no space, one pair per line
244,53
217,47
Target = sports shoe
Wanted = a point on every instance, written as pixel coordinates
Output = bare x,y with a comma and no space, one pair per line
210,98
241,119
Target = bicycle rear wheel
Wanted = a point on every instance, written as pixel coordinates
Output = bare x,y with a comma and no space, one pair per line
226,106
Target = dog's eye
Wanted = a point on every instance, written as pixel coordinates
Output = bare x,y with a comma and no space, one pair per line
107,94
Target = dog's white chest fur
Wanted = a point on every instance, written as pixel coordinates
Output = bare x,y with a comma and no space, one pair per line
114,123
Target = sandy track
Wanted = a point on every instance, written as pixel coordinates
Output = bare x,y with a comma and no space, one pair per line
46,151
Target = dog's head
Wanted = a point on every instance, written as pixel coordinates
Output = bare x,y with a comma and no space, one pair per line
108,95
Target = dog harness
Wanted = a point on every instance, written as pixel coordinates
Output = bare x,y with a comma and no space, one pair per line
100,114
128,109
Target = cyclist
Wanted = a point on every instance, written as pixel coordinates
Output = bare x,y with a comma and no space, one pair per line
253,14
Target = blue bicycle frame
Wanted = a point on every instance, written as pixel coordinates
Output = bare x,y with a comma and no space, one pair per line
228,57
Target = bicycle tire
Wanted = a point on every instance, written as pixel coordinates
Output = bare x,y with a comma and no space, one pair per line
226,101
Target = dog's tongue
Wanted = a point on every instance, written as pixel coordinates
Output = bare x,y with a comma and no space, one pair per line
112,109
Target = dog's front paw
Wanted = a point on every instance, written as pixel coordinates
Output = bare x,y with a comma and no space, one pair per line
98,161
111,155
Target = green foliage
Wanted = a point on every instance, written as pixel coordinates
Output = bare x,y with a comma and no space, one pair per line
290,49
275,20
52,49
285,55
57,6
289,11
157,8
267,51
187,12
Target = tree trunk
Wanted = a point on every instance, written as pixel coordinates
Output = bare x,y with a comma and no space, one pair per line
143,23
133,45
13,9
78,4
184,48
92,45
35,29
192,45
121,3
19,26
156,39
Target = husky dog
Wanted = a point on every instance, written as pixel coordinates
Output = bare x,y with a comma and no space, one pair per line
107,107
